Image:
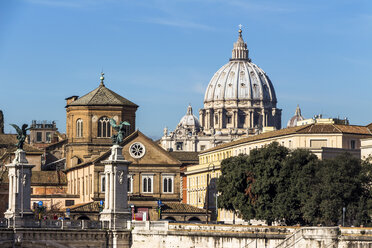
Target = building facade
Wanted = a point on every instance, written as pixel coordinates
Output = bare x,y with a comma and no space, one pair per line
88,122
42,133
366,148
240,100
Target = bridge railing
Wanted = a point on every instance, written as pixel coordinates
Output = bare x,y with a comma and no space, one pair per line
53,224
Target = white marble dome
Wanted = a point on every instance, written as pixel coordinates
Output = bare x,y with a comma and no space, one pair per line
189,120
240,79
240,97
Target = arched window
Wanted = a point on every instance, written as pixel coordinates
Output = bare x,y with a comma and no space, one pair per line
147,183
167,184
79,128
104,127
127,129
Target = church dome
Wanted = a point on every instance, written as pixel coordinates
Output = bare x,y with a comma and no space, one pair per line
240,79
297,117
189,120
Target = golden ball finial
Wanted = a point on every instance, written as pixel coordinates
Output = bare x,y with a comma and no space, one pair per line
102,78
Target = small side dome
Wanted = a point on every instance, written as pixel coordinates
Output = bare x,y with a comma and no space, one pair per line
189,120
297,117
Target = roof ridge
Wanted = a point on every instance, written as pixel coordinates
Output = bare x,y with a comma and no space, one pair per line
95,93
334,125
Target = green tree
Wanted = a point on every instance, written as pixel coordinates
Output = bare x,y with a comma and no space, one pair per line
265,165
338,184
276,184
232,184
294,184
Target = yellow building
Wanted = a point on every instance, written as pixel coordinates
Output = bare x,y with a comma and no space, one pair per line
324,140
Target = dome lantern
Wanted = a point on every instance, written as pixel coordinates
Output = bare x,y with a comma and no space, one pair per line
240,50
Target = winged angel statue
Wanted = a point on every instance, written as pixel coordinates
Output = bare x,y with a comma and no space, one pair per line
21,134
120,129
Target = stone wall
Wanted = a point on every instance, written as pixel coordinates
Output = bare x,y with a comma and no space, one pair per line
34,238
159,235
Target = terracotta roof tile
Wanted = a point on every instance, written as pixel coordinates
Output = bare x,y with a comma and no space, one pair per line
310,129
178,207
9,141
102,96
186,157
43,178
277,133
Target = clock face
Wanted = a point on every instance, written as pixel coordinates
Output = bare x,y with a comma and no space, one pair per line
137,150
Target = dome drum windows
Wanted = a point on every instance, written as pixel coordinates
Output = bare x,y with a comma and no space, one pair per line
242,118
104,128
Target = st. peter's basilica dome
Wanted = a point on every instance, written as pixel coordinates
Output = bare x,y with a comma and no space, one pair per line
240,97
240,79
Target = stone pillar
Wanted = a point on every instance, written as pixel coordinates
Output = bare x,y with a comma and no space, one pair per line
19,173
251,119
220,120
201,117
116,213
208,119
235,118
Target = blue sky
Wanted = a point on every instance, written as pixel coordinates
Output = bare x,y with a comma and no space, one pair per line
161,55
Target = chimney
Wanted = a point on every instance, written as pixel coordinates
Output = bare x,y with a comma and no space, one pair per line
71,99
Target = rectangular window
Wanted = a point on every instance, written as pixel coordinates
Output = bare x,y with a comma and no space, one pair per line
39,136
168,184
352,144
48,137
130,183
69,202
147,183
103,183
202,148
242,119
228,119
318,143
179,146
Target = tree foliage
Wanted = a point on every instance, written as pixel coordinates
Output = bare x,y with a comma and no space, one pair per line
276,184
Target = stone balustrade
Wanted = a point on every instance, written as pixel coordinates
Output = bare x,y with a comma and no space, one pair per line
54,224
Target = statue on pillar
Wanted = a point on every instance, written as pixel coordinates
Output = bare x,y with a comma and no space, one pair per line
21,134
19,173
121,131
116,213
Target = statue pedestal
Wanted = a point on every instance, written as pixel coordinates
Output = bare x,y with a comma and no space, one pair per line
19,173
116,213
